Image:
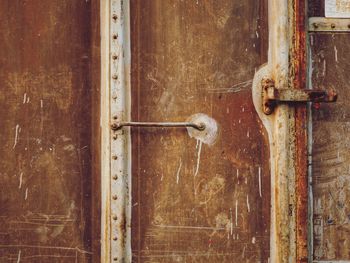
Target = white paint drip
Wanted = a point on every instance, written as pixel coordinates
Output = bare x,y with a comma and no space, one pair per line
236,212
16,136
20,180
178,172
248,205
198,157
19,256
260,182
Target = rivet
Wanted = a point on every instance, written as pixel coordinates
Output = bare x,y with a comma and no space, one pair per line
315,25
115,17
115,36
115,238
114,157
115,197
332,25
115,117
114,76
114,57
115,217
115,177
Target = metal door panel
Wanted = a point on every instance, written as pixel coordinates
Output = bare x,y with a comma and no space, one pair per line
330,60
192,202
49,170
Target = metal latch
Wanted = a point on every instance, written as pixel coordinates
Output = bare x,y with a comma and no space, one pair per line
272,96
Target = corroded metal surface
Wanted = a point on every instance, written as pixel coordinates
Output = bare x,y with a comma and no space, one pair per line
49,169
330,57
193,202
298,74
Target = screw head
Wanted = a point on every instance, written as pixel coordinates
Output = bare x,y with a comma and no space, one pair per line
115,238
115,217
114,76
115,197
115,177
115,17
114,157
115,36
332,25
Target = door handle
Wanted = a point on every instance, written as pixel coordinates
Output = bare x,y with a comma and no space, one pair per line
120,125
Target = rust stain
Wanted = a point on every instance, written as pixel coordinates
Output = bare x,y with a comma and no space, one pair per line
298,75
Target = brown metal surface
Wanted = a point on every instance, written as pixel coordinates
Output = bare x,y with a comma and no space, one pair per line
192,202
49,111
298,75
331,159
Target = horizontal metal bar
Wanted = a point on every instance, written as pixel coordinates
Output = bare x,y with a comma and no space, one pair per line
323,24
119,125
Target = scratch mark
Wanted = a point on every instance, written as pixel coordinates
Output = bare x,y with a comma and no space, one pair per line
24,98
20,180
178,172
231,223
19,256
245,85
336,53
26,194
260,182
16,136
236,212
248,205
198,157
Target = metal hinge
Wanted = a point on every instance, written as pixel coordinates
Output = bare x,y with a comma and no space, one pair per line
272,96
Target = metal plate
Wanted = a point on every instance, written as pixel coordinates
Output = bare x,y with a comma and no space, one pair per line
337,8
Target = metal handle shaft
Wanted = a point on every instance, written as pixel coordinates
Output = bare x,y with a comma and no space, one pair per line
119,125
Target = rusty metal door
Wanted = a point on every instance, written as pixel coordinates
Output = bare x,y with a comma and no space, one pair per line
49,108
214,167
233,191
198,196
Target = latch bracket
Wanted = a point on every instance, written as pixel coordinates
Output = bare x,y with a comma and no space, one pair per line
272,96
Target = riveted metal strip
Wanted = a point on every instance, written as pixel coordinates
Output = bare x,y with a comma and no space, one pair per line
120,149
115,100
322,24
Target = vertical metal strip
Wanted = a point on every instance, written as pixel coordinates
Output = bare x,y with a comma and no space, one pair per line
298,64
281,128
115,86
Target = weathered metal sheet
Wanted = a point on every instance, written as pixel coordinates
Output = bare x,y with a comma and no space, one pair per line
193,202
330,63
49,167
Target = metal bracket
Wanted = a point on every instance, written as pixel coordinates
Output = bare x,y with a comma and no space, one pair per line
322,24
272,96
